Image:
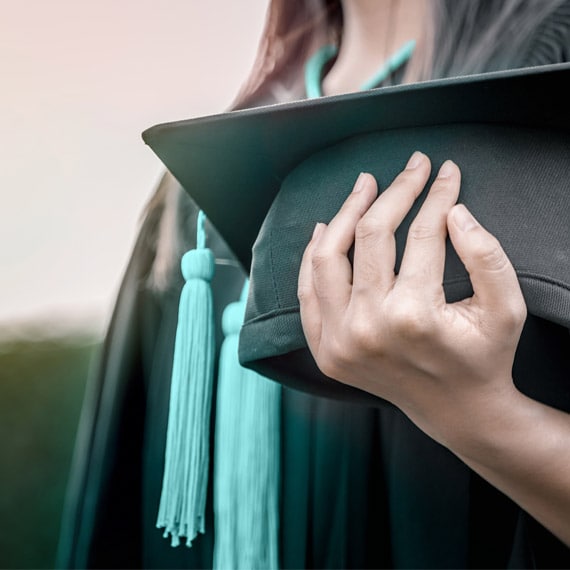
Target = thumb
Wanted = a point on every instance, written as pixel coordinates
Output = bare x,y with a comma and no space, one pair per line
493,277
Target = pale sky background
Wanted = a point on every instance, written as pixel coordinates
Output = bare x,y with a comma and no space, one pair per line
79,81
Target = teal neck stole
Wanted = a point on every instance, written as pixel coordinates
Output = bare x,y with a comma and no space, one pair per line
316,64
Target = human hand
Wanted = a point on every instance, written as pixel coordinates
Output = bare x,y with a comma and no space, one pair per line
394,335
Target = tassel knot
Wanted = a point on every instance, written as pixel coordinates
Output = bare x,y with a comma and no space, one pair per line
198,264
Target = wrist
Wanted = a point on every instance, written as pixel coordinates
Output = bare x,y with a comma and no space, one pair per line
521,447
492,425
474,422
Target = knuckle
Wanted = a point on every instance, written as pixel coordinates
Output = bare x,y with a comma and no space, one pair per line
320,259
410,321
326,365
491,255
355,205
304,293
363,335
354,201
365,228
514,314
421,231
441,186
351,206
410,181
369,228
410,176
331,359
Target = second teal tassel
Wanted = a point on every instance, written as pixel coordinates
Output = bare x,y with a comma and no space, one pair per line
247,457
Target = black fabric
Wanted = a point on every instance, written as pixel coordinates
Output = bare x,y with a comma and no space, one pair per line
515,181
361,486
233,164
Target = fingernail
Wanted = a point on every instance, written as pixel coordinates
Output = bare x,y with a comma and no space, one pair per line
446,170
317,231
360,182
463,218
414,161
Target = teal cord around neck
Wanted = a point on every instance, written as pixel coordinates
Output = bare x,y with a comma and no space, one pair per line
315,65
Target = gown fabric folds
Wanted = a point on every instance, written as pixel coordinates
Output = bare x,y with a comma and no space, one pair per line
360,487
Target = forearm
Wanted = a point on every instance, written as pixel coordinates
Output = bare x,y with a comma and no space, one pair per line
522,447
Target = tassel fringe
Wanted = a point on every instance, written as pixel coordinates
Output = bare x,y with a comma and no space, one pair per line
247,457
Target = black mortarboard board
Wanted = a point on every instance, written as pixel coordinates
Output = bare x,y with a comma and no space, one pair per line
267,175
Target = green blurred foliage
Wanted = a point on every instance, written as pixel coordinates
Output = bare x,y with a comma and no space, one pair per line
41,390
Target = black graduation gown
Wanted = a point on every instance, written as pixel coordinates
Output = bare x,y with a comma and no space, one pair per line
360,488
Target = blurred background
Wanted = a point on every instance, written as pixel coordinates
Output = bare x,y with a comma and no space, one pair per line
80,80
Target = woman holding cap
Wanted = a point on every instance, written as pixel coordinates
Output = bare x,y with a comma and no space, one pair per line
360,487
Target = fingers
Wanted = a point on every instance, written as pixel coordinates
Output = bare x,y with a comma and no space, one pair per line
308,300
340,234
495,284
332,272
375,246
424,256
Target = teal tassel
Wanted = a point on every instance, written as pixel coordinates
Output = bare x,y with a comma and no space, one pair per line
185,480
246,464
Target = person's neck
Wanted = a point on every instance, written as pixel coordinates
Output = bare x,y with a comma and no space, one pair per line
372,31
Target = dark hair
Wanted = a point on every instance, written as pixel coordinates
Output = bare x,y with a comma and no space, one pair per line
462,37
293,29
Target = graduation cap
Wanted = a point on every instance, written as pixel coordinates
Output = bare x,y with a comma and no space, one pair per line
266,176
